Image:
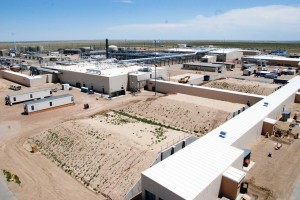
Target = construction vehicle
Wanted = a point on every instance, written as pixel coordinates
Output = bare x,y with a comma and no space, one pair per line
184,79
15,87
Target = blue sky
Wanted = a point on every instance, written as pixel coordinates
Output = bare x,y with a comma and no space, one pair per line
36,20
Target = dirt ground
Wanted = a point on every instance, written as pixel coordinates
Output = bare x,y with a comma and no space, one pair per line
106,153
280,172
245,86
41,178
194,114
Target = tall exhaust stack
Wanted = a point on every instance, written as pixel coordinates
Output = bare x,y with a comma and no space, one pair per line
106,46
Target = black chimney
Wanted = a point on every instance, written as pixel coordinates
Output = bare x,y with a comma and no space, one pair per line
106,46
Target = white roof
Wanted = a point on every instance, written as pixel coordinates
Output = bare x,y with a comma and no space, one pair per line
273,57
209,56
188,172
106,69
220,51
23,75
191,170
192,76
270,121
234,174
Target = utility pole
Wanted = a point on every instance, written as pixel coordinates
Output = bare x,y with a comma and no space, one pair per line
155,67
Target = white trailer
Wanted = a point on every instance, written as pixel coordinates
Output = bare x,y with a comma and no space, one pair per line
18,97
51,102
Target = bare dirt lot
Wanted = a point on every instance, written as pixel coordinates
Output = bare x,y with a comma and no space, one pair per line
106,153
245,86
41,178
194,114
279,173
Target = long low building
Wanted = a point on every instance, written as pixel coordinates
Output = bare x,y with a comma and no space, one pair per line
21,96
200,170
275,60
202,66
47,103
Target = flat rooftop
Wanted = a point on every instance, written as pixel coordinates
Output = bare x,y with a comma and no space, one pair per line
103,69
190,171
224,51
47,99
204,64
22,75
273,57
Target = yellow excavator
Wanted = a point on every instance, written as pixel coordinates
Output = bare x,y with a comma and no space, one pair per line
184,79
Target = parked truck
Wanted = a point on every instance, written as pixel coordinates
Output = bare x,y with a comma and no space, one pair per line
249,71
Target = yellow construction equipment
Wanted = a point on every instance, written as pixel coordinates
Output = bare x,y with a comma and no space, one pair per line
184,79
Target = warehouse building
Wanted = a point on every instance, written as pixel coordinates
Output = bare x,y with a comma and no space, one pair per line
113,79
275,60
202,66
209,59
224,55
206,168
48,103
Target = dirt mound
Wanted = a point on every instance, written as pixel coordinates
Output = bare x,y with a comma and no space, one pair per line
245,86
183,115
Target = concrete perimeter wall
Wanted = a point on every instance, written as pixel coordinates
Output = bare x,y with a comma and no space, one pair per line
200,91
26,80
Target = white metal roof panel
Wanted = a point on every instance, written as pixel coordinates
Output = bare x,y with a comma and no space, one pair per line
191,170
234,174
48,99
29,91
273,57
270,121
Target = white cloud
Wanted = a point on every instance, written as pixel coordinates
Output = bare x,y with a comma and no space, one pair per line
276,22
124,1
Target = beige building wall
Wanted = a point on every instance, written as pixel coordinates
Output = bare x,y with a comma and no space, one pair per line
98,82
25,80
223,95
234,55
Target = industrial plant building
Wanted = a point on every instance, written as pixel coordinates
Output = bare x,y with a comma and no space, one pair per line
204,169
113,79
224,55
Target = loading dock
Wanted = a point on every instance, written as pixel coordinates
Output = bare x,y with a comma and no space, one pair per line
51,102
18,97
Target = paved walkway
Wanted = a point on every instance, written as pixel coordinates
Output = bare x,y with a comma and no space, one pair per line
5,193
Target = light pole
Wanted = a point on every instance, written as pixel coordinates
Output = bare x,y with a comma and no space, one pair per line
155,67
